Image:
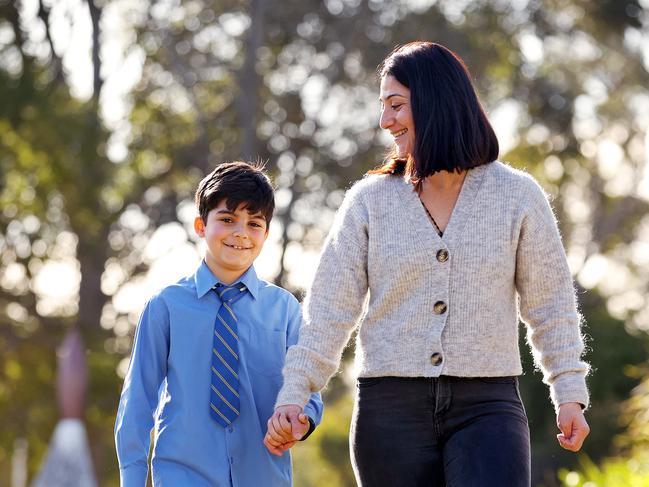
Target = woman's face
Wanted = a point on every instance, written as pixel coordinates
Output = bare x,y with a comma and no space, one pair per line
396,114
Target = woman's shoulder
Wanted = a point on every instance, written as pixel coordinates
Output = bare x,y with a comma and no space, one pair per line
372,184
519,187
510,177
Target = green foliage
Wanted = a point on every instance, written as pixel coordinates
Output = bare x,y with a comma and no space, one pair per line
613,472
323,458
607,343
303,96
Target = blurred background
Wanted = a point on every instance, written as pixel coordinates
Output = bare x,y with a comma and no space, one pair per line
111,112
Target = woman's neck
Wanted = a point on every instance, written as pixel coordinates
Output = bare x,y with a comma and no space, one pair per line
445,181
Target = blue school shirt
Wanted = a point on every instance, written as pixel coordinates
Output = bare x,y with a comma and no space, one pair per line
168,385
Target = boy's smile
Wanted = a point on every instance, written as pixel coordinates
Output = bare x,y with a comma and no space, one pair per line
234,240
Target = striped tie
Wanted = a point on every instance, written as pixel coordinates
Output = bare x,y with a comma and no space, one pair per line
224,393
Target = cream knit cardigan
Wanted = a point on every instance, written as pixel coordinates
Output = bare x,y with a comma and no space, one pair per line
379,270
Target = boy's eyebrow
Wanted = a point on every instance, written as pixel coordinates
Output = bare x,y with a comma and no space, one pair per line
225,211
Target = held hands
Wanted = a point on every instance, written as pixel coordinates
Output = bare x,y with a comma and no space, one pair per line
573,426
289,424
285,428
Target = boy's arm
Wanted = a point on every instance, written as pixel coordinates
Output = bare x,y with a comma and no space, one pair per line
139,399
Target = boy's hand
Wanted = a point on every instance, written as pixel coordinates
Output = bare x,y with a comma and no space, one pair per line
277,448
285,427
573,426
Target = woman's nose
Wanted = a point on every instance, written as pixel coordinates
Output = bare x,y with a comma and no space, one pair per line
386,119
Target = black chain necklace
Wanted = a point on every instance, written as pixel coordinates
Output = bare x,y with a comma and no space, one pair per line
439,231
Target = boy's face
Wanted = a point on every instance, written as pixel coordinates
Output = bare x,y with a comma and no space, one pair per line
234,240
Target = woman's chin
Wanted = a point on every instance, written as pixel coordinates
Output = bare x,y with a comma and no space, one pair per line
402,153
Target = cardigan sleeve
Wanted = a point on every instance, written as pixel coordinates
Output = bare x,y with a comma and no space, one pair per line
313,407
333,304
547,301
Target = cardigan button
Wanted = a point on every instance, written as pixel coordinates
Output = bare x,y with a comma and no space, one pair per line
442,255
440,307
436,359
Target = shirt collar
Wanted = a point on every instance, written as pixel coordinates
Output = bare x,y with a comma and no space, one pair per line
205,280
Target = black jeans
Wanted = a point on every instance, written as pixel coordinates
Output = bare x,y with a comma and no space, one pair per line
446,431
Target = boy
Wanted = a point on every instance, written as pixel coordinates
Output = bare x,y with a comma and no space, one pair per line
208,354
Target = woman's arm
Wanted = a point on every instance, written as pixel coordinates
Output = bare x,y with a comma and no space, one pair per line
548,306
547,301
333,305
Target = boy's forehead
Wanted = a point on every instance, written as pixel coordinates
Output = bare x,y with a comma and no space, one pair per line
222,207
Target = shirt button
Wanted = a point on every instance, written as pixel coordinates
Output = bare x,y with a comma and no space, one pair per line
440,307
442,255
436,358
230,429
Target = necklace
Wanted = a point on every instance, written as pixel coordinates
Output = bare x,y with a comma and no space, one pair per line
439,231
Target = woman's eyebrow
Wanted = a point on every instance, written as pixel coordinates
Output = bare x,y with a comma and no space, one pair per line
391,95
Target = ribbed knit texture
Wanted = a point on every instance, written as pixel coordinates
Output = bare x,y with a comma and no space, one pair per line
505,259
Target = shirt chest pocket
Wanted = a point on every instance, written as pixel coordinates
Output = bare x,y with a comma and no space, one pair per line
266,350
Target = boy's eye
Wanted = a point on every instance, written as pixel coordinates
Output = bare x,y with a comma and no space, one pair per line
226,219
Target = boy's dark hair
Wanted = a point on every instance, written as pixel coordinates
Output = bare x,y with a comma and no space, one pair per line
237,183
452,132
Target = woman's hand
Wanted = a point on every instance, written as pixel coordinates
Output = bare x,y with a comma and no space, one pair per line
573,426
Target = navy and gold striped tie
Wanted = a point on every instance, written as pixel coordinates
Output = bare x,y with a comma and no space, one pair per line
224,393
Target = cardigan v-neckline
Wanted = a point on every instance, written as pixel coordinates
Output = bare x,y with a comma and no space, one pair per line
459,215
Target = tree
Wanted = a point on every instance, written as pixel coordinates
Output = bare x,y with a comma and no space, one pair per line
83,196
62,199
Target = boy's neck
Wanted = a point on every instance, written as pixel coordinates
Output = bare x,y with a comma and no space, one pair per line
223,275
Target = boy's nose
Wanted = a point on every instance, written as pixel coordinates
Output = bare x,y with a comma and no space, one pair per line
240,232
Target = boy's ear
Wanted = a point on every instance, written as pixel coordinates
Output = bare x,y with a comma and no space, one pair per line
199,226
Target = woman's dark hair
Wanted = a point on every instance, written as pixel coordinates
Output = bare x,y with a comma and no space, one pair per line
237,183
452,132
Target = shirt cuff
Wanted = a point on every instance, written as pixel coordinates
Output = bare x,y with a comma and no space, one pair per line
311,429
133,476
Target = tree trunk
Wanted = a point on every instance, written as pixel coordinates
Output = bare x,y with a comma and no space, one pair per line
250,80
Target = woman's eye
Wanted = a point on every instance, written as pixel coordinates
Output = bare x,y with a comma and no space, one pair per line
397,107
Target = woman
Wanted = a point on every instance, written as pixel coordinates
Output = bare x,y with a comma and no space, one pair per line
451,246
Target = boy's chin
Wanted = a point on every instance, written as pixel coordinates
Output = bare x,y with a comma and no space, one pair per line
228,268
237,265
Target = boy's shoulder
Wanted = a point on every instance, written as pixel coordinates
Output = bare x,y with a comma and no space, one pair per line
275,292
172,293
